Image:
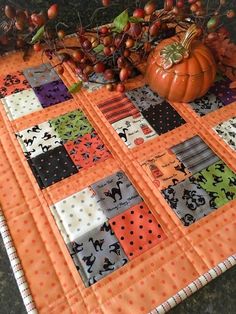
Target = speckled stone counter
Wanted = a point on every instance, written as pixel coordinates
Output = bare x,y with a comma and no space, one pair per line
218,297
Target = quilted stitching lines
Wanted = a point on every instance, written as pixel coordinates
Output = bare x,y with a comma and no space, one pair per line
105,225
61,147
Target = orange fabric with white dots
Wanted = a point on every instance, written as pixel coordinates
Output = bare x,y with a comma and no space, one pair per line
150,278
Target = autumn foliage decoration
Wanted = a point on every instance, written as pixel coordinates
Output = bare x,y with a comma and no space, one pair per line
112,54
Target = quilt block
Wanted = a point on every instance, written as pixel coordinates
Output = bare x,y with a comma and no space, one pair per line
97,227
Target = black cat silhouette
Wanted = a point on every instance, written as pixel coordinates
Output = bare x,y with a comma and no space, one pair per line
220,167
76,248
181,168
112,193
213,196
30,141
97,244
229,195
89,260
28,154
35,129
45,148
107,228
107,266
48,136
114,247
123,134
201,179
217,179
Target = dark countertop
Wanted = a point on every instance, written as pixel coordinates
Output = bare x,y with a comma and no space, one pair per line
218,297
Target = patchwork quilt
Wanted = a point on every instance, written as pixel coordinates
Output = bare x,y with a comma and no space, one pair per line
110,202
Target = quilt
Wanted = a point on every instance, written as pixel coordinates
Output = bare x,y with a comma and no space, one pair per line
113,202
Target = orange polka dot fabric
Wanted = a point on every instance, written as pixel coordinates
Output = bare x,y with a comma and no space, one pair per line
146,257
137,229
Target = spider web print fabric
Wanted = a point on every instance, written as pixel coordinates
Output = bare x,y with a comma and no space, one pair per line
116,203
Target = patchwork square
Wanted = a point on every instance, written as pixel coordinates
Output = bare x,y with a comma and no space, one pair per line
195,154
134,130
52,93
41,74
223,91
13,83
227,131
189,201
38,139
206,104
71,125
97,254
115,194
52,166
20,104
165,169
118,108
137,230
144,98
92,87
219,181
77,214
163,117
87,150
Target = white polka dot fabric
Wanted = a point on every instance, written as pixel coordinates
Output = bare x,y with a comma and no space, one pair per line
38,139
22,103
134,130
78,214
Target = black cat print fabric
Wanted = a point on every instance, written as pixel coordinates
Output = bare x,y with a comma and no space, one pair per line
97,254
115,194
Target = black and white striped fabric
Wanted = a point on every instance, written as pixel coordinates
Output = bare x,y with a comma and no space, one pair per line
195,154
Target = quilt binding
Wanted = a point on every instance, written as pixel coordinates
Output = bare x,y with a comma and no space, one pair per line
195,285
163,308
180,296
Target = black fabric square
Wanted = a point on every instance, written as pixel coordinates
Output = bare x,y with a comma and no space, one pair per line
52,166
163,117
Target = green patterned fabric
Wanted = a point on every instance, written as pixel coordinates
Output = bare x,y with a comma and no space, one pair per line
72,125
219,182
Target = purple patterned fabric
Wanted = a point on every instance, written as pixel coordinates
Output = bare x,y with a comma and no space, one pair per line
52,93
222,90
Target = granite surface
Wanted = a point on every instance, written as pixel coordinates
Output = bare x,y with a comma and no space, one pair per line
218,297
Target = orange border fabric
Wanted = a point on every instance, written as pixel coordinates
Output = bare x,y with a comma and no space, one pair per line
147,280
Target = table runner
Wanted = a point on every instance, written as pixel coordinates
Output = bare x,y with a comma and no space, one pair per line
107,210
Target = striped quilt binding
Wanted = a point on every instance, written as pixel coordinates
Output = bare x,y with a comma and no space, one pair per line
195,285
16,267
161,309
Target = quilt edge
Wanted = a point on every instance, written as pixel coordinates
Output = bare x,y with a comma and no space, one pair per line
195,285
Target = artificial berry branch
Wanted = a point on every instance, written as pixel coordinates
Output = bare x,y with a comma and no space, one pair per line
110,54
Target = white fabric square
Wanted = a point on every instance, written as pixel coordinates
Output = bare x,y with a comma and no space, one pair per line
38,139
22,103
227,131
78,214
134,130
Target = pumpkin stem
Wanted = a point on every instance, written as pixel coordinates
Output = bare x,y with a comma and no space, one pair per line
176,52
190,34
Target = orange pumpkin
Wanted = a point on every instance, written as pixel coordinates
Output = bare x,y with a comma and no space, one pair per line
181,70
